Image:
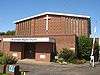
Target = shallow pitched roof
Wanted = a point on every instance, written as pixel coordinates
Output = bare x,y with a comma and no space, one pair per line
52,13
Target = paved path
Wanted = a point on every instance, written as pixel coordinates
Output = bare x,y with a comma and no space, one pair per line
56,69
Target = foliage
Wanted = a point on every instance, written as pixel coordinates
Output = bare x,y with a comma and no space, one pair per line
96,51
84,47
66,55
80,61
2,33
3,74
2,61
60,60
10,59
8,33
83,51
7,59
1,54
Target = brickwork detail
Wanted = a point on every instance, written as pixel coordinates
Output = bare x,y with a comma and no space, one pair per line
57,25
43,49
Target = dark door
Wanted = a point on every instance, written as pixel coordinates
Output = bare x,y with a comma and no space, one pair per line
29,50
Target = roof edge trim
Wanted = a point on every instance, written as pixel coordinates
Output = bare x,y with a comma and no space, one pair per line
52,13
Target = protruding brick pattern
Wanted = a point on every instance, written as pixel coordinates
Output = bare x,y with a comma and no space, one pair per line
57,25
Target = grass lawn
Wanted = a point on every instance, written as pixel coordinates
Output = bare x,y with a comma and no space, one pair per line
3,74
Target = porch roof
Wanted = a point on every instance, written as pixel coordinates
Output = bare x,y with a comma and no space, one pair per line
35,39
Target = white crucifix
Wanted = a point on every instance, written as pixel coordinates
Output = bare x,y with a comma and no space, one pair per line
47,20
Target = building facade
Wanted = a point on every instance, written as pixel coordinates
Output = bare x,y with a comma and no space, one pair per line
40,36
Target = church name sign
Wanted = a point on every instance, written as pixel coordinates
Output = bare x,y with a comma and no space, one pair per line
42,39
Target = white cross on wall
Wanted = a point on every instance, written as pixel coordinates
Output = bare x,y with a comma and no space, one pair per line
47,19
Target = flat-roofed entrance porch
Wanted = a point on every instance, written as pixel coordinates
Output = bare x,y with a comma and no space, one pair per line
40,49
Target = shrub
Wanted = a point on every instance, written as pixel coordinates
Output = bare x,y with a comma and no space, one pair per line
1,54
2,57
66,55
7,59
60,60
10,59
78,61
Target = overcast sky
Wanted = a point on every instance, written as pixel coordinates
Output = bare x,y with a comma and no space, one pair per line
12,10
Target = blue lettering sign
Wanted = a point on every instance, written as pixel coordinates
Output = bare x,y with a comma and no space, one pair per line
11,68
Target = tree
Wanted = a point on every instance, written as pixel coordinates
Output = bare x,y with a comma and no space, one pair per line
84,47
2,33
8,33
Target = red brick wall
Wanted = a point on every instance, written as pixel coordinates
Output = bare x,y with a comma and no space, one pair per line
58,25
55,27
33,27
17,48
61,25
6,46
65,41
23,28
19,54
39,26
1,43
11,48
43,49
0,46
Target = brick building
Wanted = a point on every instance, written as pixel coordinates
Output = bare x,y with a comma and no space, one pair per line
40,36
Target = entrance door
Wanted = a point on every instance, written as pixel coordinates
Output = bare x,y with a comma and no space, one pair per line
29,51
